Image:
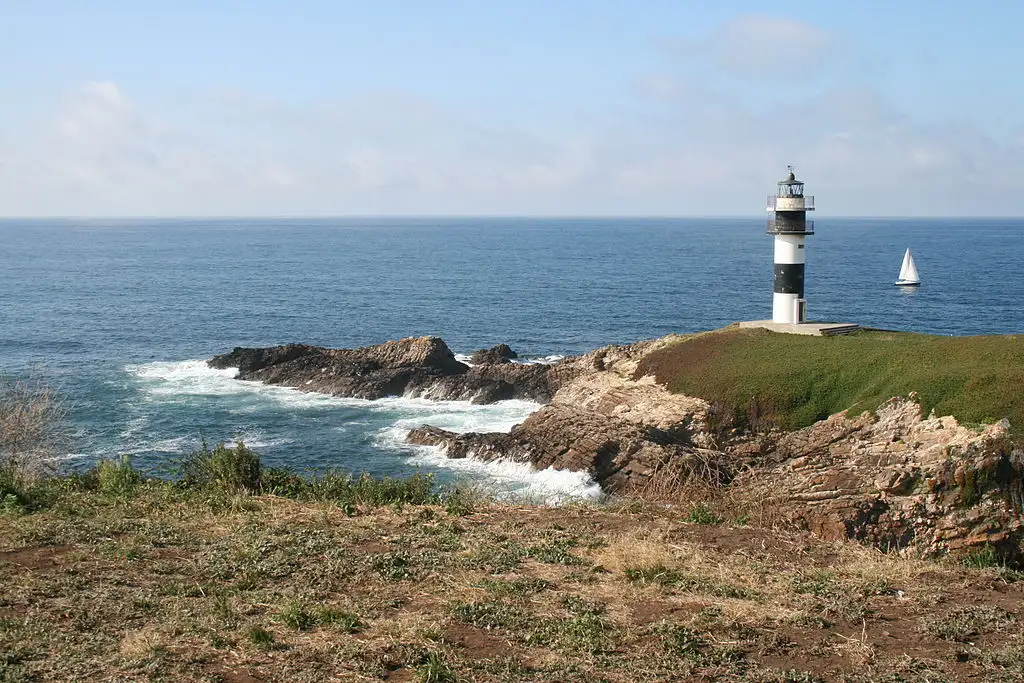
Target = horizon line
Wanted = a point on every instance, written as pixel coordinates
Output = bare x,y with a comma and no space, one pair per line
460,216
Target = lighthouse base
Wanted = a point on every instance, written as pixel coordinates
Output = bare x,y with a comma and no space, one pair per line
789,308
811,329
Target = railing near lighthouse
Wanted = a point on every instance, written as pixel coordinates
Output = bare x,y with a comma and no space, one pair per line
808,202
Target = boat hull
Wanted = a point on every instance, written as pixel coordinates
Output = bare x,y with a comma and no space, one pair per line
908,283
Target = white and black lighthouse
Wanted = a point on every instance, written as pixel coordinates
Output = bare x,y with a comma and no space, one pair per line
790,226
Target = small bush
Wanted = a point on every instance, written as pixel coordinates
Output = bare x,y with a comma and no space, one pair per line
231,470
281,482
117,477
367,490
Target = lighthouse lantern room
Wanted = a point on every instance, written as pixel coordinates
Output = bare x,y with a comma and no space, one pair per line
790,226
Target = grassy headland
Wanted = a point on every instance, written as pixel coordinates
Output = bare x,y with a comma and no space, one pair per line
239,573
754,375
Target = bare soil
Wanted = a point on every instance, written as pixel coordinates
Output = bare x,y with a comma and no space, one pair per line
164,588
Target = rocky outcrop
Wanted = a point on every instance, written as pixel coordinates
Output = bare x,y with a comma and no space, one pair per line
496,354
897,481
600,421
423,366
891,478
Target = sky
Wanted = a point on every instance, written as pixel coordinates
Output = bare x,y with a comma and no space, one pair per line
546,107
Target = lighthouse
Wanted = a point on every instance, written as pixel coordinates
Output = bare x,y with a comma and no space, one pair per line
790,226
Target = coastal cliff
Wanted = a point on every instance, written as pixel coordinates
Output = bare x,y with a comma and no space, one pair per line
884,475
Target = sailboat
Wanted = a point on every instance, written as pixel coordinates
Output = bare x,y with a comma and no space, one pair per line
908,272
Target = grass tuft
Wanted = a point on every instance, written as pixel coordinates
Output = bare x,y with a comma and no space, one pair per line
260,637
435,670
296,615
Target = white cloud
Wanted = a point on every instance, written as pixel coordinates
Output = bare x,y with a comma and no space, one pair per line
755,46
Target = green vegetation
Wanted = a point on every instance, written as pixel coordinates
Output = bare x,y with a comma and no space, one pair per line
232,470
117,477
756,378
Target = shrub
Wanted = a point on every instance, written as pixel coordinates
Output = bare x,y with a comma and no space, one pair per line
232,470
33,431
117,477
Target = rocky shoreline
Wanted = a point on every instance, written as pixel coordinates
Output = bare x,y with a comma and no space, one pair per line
423,367
891,478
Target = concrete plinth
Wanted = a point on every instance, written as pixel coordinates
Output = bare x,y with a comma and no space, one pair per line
812,329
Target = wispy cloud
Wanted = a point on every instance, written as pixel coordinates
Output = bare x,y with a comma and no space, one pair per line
756,46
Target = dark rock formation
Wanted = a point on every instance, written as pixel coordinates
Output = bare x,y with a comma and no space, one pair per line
422,366
494,355
251,360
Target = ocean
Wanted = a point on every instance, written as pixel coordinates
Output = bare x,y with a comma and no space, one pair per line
120,314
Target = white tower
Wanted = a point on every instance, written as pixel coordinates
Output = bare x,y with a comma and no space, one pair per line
790,226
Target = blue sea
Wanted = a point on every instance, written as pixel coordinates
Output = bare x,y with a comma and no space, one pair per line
120,314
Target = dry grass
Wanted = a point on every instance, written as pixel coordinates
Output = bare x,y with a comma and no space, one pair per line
164,585
33,430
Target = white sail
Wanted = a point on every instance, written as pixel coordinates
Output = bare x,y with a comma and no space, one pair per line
908,272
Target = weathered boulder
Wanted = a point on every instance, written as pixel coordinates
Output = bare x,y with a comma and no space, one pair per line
501,353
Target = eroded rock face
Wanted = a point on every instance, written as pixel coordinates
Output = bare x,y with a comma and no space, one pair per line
423,366
601,421
898,482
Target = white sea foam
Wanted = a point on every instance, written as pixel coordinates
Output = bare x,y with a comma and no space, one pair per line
186,381
540,360
176,381
519,480
543,360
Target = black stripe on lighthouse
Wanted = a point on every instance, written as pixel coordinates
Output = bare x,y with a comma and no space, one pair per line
789,279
